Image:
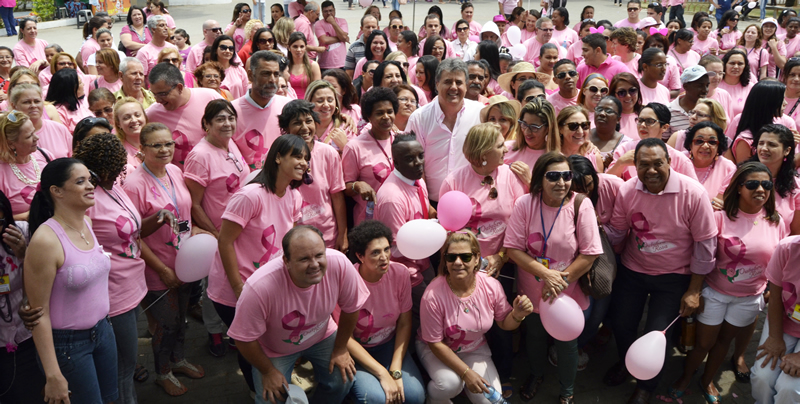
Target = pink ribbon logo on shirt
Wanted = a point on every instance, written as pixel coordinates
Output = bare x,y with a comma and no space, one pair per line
10,263
366,326
457,337
182,146
155,192
232,183
27,194
296,337
381,172
268,239
125,232
735,249
642,228
255,141
533,239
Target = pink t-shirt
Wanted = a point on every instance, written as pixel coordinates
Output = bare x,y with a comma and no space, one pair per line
20,194
265,218
100,82
317,205
116,223
69,118
559,102
744,247
782,271
566,37
388,299
89,48
625,23
771,67
25,55
532,48
746,135
295,9
686,60
255,135
149,195
659,94
148,55
366,159
672,80
195,57
302,24
609,68
148,36
564,243
703,47
789,205
526,155
184,121
725,100
286,319
236,80
756,58
729,40
628,127
678,217
716,177
606,195
632,65
489,216
55,137
792,45
396,204
678,161
738,95
238,36
793,104
574,52
333,57
460,323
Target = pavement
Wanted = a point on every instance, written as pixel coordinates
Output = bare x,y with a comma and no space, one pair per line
223,382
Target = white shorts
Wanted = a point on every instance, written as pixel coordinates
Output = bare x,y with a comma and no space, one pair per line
736,311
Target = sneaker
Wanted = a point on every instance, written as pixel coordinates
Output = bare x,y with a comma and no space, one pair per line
583,360
552,356
232,344
216,345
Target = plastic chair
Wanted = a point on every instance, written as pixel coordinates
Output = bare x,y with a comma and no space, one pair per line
83,17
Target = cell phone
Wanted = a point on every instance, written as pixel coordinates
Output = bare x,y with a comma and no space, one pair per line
183,226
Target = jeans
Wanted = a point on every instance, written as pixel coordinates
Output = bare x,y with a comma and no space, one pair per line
763,9
227,313
567,352
88,360
259,11
676,12
774,386
170,315
21,379
367,388
8,20
395,5
628,302
125,334
330,386
594,316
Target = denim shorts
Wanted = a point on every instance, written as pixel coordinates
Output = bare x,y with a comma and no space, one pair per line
88,360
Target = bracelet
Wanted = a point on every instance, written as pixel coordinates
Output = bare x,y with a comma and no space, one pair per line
465,373
515,319
353,187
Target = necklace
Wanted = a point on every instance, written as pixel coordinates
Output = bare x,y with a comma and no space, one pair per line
469,292
710,169
22,176
79,232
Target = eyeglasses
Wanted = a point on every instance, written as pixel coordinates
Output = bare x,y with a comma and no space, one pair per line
562,75
465,257
700,142
699,114
488,180
607,111
529,127
520,79
159,146
462,29
227,48
165,93
400,27
211,76
477,77
657,65
753,184
264,41
173,61
594,89
533,97
545,29
573,126
647,121
236,162
553,176
406,100
631,91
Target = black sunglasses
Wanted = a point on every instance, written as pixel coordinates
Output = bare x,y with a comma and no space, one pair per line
573,126
753,185
227,48
562,75
553,176
488,180
465,257
264,41
631,91
700,142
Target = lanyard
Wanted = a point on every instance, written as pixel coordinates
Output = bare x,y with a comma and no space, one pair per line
388,159
123,206
541,215
794,106
172,184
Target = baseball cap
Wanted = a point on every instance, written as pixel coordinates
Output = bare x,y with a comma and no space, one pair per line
694,73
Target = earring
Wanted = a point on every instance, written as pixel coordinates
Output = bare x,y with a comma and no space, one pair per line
15,153
784,159
484,162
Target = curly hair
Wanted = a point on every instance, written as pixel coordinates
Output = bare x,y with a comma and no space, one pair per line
363,234
104,155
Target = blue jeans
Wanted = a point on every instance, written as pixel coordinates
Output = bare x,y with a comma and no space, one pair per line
8,20
330,386
367,388
125,334
88,360
594,316
763,9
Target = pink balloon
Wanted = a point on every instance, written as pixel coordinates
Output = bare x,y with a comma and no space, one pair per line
563,319
420,238
454,210
645,357
194,259
365,3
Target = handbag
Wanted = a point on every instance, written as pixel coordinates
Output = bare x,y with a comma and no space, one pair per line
598,280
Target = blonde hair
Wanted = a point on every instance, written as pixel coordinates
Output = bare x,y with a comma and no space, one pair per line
718,115
507,111
166,52
480,139
54,61
120,102
316,85
461,236
248,28
283,28
562,117
396,54
110,58
17,91
9,132
546,112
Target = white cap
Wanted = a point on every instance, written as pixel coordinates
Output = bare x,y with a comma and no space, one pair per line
694,73
647,22
769,20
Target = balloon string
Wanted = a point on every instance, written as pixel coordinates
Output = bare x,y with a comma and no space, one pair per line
673,322
502,276
156,301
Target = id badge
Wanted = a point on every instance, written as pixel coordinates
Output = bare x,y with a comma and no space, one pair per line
544,261
5,285
796,313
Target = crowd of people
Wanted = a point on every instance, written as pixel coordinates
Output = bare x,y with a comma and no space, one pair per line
303,147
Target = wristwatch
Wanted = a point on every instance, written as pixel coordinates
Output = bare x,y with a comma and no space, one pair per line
396,374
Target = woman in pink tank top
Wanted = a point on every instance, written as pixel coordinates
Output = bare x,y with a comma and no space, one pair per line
68,279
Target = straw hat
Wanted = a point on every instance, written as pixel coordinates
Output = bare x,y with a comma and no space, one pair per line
500,99
505,79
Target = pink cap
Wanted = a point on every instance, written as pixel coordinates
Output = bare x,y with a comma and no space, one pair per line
499,18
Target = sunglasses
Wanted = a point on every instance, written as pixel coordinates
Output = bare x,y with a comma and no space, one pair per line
529,127
171,60
405,64
246,11
400,27
218,30
545,29
462,29
573,126
631,91
754,184
465,257
533,97
12,116
594,89
700,142
264,41
488,180
562,75
227,48
553,176
630,10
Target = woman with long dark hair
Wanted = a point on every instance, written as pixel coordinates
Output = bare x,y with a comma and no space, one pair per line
302,70
276,11
222,52
737,79
426,75
66,92
376,47
728,32
625,86
488,51
764,105
242,13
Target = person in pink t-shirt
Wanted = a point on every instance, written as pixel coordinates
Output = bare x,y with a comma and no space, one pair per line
682,43
596,60
573,136
537,122
728,32
276,322
634,9
563,34
565,75
242,13
778,348
21,164
148,54
29,51
705,143
322,193
154,186
53,136
236,80
625,41
384,328
704,43
757,52
304,23
458,309
179,107
653,67
332,34
749,229
625,87
668,251
544,34
764,105
66,93
737,80
553,250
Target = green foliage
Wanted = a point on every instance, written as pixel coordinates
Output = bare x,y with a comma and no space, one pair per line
44,9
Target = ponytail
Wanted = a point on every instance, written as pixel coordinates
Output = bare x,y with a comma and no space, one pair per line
57,172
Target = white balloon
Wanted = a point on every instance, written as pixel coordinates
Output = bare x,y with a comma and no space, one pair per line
193,261
738,9
420,238
518,51
514,35
751,5
645,357
250,177
365,3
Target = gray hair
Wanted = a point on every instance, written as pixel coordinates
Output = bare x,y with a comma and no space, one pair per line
262,55
123,64
153,20
55,46
311,6
539,22
103,31
166,72
452,65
